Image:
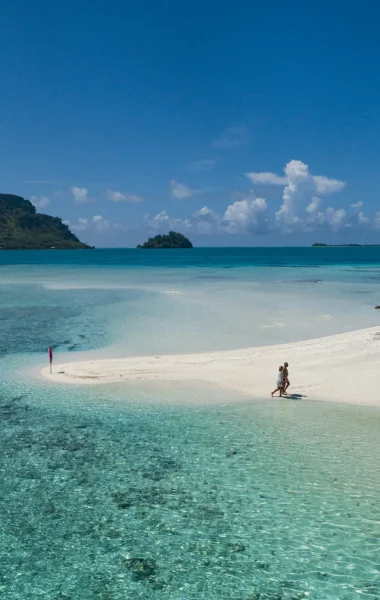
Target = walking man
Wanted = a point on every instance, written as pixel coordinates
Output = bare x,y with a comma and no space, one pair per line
286,377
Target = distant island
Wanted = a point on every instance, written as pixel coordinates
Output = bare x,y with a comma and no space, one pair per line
320,245
22,228
171,240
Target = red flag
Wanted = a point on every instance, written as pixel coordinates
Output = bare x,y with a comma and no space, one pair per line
50,350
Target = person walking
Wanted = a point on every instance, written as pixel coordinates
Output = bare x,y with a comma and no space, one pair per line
286,378
280,381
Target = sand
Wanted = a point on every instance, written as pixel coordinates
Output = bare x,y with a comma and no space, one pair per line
339,368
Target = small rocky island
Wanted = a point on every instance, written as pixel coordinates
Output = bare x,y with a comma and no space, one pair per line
22,228
171,240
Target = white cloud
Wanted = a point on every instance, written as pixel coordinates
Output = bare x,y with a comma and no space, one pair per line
205,220
163,221
267,177
300,198
80,194
336,218
250,215
246,216
298,195
81,225
314,205
116,196
362,219
66,222
301,208
232,137
376,221
325,185
161,217
202,165
205,212
357,205
180,190
40,201
294,169
96,223
298,185
100,224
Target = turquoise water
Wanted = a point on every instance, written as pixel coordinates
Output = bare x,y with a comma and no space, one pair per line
119,492
201,257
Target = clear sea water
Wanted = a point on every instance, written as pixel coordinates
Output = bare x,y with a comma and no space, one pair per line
117,492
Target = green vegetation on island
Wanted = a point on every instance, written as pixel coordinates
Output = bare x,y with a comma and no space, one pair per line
171,240
22,228
320,245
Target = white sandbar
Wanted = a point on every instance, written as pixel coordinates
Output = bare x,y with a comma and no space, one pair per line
340,368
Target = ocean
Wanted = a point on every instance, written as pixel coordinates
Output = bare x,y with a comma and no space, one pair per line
184,493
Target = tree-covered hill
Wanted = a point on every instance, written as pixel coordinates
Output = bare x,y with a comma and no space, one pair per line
171,240
21,227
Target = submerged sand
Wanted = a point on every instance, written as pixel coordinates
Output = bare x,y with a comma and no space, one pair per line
340,368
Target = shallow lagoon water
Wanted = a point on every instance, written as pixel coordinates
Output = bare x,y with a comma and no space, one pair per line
114,492
163,308
270,499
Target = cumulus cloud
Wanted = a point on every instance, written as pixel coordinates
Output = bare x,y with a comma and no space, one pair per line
80,194
246,216
160,218
267,177
336,218
180,190
40,201
298,195
116,196
81,224
201,165
297,172
101,224
314,205
300,198
250,215
96,223
163,221
325,185
301,209
204,220
376,221
232,137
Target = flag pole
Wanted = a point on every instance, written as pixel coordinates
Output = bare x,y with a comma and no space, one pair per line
50,350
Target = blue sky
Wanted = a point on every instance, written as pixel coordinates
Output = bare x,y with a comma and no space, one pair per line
237,123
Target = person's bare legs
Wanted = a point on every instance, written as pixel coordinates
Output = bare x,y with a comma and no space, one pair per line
276,390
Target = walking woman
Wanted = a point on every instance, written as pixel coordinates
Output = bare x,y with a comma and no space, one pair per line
280,381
